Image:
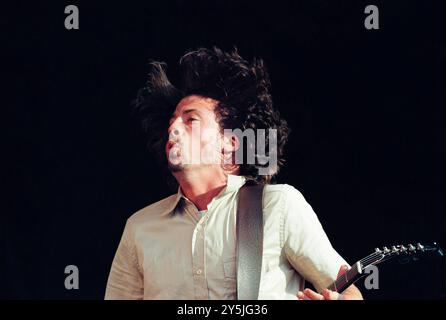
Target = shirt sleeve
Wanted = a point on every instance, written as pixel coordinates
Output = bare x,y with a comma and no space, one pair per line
125,281
306,244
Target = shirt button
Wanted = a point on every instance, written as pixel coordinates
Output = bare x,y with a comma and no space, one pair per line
199,271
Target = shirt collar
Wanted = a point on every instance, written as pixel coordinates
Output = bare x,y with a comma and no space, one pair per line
233,183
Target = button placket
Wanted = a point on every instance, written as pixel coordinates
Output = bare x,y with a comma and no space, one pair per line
199,276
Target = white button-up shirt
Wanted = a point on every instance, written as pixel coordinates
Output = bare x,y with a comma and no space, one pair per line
168,251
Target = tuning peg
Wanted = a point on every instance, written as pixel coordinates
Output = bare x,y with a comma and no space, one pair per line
411,247
403,248
377,250
420,247
386,250
394,248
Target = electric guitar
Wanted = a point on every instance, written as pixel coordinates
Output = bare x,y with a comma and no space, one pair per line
402,253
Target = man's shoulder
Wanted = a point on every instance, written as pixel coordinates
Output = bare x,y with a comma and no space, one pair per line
154,210
282,197
285,190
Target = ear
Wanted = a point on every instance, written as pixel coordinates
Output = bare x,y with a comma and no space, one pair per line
230,143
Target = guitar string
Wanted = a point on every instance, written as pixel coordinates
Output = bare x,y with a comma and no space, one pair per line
370,258
342,281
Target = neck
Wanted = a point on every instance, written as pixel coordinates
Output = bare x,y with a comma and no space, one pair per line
201,186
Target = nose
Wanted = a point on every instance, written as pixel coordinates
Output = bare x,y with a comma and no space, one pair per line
175,130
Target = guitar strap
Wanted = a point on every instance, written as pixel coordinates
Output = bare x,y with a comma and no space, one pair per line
249,231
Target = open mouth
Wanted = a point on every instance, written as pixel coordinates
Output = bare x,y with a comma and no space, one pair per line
173,149
170,144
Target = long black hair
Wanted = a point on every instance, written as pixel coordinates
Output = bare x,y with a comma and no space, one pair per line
242,92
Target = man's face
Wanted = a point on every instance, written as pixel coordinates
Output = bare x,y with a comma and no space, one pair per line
194,135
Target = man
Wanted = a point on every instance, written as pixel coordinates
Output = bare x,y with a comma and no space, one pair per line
184,246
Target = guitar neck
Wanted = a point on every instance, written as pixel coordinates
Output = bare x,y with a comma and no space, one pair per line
407,253
348,278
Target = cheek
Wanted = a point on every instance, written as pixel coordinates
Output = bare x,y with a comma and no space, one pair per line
209,136
210,140
210,147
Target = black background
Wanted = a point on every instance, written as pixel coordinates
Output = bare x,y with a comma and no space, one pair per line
366,107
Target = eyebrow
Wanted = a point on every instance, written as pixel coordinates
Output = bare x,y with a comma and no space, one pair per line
184,112
190,110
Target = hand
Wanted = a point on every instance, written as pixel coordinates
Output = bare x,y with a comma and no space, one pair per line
326,294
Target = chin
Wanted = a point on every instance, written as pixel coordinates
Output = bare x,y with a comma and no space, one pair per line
178,166
175,167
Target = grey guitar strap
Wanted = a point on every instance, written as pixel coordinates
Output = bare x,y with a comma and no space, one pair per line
249,230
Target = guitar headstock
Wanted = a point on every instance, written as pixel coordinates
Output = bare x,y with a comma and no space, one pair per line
404,253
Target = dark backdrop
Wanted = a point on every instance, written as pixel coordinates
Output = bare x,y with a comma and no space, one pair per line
368,146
